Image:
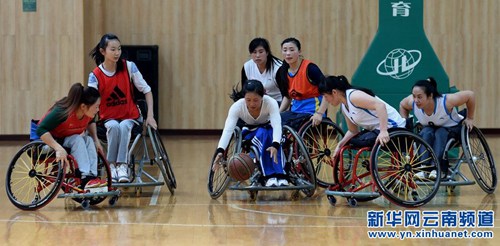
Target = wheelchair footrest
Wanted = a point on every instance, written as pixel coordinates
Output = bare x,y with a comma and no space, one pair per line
260,187
456,183
137,184
89,194
349,194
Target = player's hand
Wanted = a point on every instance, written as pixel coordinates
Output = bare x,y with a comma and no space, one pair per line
469,123
62,155
274,154
382,138
150,121
316,119
216,164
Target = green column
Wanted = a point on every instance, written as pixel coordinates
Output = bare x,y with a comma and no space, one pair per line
400,53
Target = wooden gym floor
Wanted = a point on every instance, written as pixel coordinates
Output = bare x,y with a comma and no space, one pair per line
191,217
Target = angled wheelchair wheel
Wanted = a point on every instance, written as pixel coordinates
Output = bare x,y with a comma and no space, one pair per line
395,165
161,157
320,142
480,159
218,178
297,158
34,177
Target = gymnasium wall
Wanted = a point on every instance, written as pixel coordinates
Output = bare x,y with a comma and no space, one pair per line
203,45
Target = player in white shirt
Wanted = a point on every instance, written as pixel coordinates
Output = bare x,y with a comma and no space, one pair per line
262,127
361,108
262,67
438,115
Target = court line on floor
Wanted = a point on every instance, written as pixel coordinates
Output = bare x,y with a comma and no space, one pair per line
292,215
156,191
181,225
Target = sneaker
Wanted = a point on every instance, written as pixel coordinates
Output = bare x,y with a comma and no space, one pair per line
114,173
123,173
433,175
282,182
272,182
420,175
96,185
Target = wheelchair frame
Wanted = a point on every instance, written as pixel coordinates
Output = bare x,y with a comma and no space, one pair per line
34,179
390,171
477,154
298,166
137,158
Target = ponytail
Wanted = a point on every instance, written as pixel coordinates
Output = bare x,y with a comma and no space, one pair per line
339,83
96,55
77,95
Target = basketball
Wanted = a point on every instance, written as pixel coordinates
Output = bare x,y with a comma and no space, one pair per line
240,167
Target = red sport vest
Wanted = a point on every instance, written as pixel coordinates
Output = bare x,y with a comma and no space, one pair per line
117,101
71,126
300,86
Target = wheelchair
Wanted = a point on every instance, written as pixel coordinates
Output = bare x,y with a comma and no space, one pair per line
470,147
146,147
34,179
363,173
298,167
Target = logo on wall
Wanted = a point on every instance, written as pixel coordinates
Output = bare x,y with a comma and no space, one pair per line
399,63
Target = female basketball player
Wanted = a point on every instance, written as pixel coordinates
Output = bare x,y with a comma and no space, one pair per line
298,80
262,127
262,67
361,108
64,125
438,115
113,78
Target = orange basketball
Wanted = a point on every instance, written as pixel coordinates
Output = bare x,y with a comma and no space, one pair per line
240,167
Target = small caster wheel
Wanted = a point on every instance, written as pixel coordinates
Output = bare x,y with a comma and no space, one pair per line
253,195
332,200
112,201
295,195
450,190
414,195
138,191
86,204
352,202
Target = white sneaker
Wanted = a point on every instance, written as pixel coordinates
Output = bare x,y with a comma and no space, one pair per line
282,182
420,175
433,175
114,173
123,174
272,182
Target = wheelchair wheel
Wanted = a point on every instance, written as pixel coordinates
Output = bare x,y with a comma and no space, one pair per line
297,158
320,142
103,172
218,178
394,167
34,177
161,157
480,160
363,181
